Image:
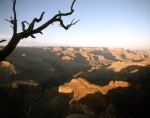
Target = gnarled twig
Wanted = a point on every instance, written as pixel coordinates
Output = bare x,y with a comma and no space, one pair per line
27,113
23,25
2,40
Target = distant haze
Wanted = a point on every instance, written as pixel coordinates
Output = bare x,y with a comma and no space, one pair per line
103,23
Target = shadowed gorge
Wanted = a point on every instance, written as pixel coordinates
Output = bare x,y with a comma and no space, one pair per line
92,81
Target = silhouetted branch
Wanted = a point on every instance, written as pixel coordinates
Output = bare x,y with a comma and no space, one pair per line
66,14
60,14
2,40
60,114
43,90
23,25
68,26
31,26
13,20
72,5
33,36
36,99
27,113
30,31
56,18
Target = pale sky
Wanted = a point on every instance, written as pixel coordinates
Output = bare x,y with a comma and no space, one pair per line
103,23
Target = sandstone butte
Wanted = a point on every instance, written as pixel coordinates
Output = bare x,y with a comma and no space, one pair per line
77,89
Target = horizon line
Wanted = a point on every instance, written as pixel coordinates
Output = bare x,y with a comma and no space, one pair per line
79,47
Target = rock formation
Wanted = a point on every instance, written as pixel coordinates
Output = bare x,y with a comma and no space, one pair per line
86,98
116,76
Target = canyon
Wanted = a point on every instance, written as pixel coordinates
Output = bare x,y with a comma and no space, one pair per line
88,82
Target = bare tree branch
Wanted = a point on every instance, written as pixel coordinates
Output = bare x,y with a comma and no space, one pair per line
31,26
68,26
2,40
66,14
11,21
36,99
27,113
15,19
56,18
72,5
60,14
30,31
23,25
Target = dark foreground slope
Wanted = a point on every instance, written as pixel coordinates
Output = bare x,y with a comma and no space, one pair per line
97,82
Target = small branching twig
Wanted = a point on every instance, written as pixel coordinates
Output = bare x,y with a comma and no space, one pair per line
13,21
60,114
2,40
23,25
69,25
27,113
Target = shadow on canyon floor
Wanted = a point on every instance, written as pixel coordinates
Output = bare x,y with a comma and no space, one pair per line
128,102
106,54
103,76
121,102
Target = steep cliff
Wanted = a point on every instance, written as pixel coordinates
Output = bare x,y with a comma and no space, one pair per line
86,98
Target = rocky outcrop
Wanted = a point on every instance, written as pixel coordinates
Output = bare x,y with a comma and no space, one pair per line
119,84
83,95
18,89
67,58
6,70
57,49
92,100
23,55
65,92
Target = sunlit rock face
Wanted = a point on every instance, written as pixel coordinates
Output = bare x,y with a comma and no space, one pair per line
6,70
23,55
14,85
57,49
119,84
77,89
67,58
86,98
92,100
13,79
5,64
65,92
6,67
